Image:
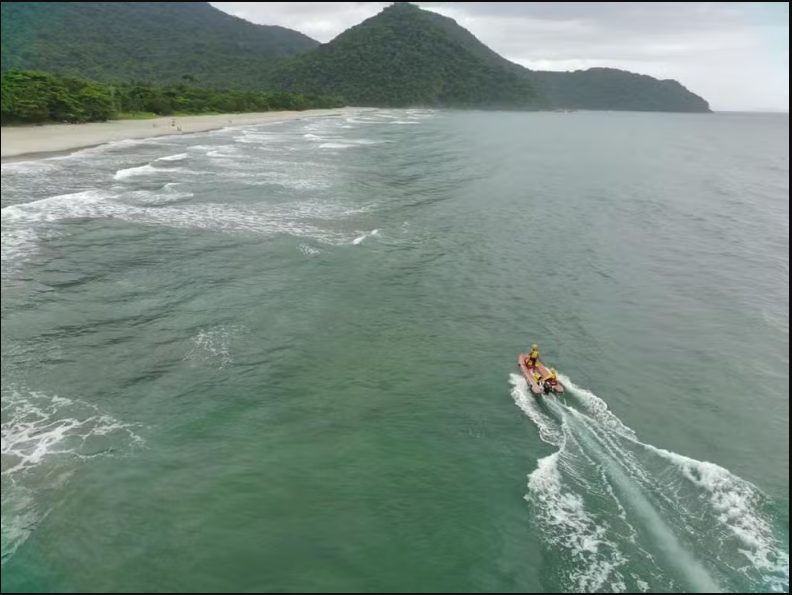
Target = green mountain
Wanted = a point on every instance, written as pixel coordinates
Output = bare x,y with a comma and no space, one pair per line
153,41
404,56
408,56
611,89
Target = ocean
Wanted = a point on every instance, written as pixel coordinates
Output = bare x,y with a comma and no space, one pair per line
283,358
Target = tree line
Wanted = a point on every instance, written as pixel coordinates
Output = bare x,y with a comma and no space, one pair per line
30,97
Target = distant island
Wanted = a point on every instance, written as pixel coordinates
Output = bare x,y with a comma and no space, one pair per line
403,57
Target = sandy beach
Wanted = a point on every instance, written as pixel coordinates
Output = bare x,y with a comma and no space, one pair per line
53,138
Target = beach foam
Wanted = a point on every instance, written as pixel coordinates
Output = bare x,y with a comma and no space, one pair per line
142,170
44,439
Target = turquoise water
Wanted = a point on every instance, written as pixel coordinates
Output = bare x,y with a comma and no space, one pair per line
283,358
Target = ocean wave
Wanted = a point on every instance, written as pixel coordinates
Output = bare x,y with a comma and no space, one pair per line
308,250
360,239
88,204
168,195
17,244
337,146
43,439
37,428
358,120
284,181
170,206
177,157
36,166
224,152
130,172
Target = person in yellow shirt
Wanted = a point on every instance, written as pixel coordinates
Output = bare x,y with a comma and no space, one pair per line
551,379
533,357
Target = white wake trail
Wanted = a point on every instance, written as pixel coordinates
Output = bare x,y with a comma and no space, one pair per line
624,516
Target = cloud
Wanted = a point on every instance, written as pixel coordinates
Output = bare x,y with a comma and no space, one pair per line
320,20
735,54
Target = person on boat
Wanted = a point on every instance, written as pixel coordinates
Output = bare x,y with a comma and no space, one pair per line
537,378
533,357
551,379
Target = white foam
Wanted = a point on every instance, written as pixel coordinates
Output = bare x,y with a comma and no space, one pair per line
360,239
354,120
549,430
213,346
22,223
51,164
337,146
598,454
37,427
405,122
88,204
285,181
43,438
202,148
568,525
597,408
737,504
17,244
110,147
291,218
663,536
143,170
169,194
178,157
308,250
37,166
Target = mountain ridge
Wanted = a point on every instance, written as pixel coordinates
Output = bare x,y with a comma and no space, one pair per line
408,56
365,64
404,56
154,41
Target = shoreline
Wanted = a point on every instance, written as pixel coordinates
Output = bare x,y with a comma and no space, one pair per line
54,139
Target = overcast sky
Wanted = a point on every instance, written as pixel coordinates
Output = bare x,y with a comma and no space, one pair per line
735,54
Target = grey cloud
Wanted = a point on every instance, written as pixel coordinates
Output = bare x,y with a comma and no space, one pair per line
611,15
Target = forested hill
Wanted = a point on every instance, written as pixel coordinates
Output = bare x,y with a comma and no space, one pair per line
611,89
151,41
408,56
404,56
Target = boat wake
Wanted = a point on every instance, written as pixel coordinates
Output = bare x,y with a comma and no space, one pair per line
619,515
